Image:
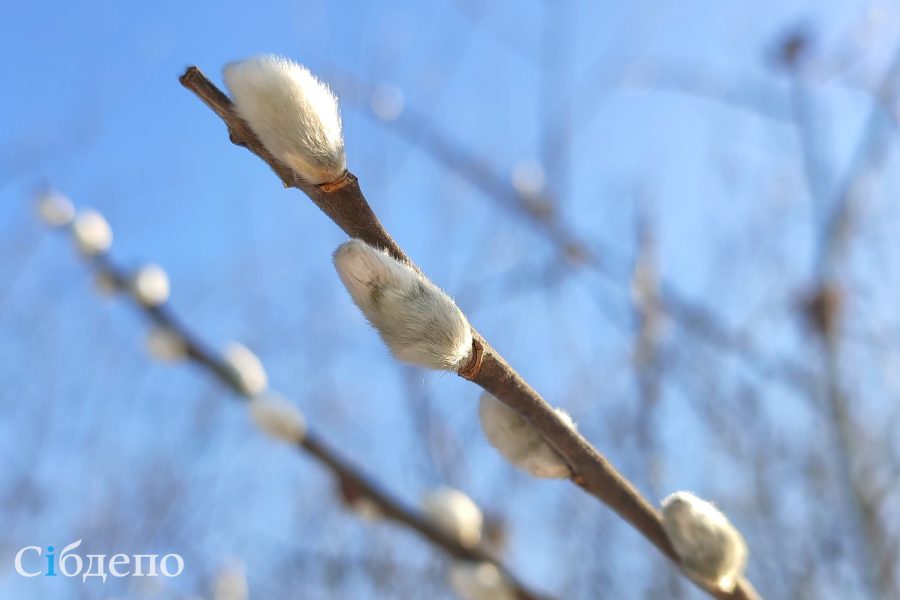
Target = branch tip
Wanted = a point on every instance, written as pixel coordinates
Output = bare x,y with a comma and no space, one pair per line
189,75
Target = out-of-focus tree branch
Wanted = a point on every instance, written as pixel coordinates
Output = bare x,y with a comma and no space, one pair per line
353,482
646,354
825,311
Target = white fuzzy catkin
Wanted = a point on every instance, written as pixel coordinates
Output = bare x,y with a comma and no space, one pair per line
419,322
231,584
55,208
165,344
293,114
247,369
709,547
150,285
387,102
366,509
105,284
92,233
528,178
454,513
519,442
278,418
479,581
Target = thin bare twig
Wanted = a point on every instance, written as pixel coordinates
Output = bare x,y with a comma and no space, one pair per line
344,203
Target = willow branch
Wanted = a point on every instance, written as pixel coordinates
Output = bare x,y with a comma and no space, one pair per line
353,482
343,202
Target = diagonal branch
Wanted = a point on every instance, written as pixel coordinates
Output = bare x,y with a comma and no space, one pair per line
344,203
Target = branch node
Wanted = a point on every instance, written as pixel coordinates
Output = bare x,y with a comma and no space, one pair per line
472,368
341,182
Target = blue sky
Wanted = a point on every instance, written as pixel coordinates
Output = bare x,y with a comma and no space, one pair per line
92,106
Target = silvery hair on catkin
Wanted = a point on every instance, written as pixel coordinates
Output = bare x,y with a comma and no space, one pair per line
711,550
294,115
419,323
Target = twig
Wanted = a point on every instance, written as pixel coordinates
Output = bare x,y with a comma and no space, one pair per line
646,352
869,149
349,476
826,315
345,204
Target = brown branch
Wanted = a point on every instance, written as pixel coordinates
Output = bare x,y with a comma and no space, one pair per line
313,445
349,210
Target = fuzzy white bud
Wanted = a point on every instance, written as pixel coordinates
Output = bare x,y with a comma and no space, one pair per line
293,114
454,513
165,344
366,510
278,418
150,285
711,550
355,499
419,322
92,233
55,209
105,284
387,102
479,581
519,442
247,369
231,584
528,178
